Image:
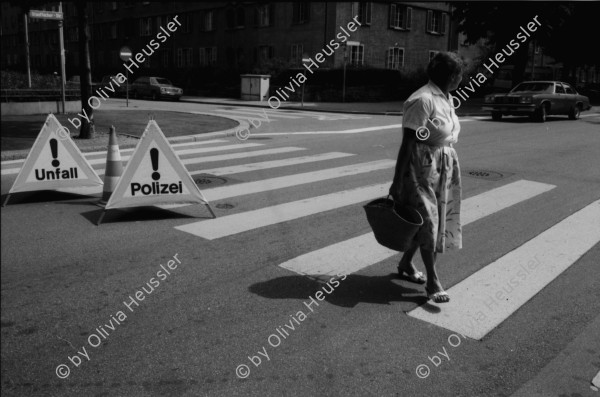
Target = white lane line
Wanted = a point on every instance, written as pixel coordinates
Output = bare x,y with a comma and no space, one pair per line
352,255
265,185
264,165
351,131
181,152
485,299
230,156
259,115
90,155
250,220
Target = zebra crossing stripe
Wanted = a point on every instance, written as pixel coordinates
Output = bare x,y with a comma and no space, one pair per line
250,220
232,156
264,185
352,255
489,296
350,131
264,165
181,152
246,113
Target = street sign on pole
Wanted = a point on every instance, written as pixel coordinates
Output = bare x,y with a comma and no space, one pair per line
42,14
125,55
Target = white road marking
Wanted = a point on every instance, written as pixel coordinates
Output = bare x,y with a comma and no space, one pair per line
179,153
488,297
265,185
352,255
250,220
264,165
350,131
230,156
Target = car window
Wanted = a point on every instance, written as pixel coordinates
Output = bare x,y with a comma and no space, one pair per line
569,89
541,87
161,80
559,89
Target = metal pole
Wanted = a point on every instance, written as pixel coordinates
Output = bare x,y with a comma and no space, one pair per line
344,82
62,58
27,51
127,85
303,84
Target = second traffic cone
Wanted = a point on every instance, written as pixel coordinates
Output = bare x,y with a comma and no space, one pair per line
114,166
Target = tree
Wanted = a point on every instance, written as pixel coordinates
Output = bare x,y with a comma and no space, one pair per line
86,131
500,22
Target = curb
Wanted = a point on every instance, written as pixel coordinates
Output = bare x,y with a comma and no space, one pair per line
242,125
399,113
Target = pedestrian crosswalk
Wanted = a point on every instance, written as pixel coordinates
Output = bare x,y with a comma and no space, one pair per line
557,248
268,114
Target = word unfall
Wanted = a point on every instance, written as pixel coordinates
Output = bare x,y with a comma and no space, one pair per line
512,46
56,173
95,338
152,46
244,134
320,57
423,370
274,340
156,187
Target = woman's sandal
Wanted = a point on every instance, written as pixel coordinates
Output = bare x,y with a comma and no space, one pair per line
417,277
438,297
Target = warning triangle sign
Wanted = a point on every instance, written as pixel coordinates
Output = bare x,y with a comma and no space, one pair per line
54,162
154,175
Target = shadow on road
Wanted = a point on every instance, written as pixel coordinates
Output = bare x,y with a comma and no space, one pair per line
351,291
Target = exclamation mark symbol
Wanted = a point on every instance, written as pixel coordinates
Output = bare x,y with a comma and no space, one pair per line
54,150
154,159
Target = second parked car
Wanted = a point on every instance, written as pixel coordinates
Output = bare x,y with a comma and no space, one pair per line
155,88
538,99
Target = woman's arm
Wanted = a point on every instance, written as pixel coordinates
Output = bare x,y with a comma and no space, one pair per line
404,154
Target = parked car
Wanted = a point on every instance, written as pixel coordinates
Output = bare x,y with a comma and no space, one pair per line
538,99
155,88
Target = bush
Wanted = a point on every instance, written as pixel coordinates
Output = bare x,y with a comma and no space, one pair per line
16,80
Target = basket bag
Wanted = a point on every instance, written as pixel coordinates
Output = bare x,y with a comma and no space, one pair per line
394,225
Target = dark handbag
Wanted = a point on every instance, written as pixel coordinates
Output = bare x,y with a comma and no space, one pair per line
394,225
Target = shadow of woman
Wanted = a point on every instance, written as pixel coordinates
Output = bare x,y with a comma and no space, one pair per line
352,290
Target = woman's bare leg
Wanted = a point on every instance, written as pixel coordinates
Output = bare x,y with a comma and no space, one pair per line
433,282
406,261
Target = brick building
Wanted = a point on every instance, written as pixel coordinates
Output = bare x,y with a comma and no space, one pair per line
234,35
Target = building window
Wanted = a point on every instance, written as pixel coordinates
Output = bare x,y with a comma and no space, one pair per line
187,23
179,58
400,17
265,52
145,27
432,54
207,21
436,22
357,54
113,30
208,56
235,18
113,5
264,15
300,12
165,58
296,55
363,10
395,58
188,57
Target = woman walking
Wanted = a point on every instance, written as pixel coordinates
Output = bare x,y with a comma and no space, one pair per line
427,175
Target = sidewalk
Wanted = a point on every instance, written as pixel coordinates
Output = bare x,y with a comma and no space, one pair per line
394,108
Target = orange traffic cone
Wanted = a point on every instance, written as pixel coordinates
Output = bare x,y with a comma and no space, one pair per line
114,167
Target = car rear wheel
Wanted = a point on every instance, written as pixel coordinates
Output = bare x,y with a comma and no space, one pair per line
496,116
541,113
575,112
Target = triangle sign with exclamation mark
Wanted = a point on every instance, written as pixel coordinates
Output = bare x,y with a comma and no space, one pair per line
54,162
154,175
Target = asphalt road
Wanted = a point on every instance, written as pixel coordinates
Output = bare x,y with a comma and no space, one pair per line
227,298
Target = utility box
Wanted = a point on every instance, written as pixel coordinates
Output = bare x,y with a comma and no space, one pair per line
255,87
